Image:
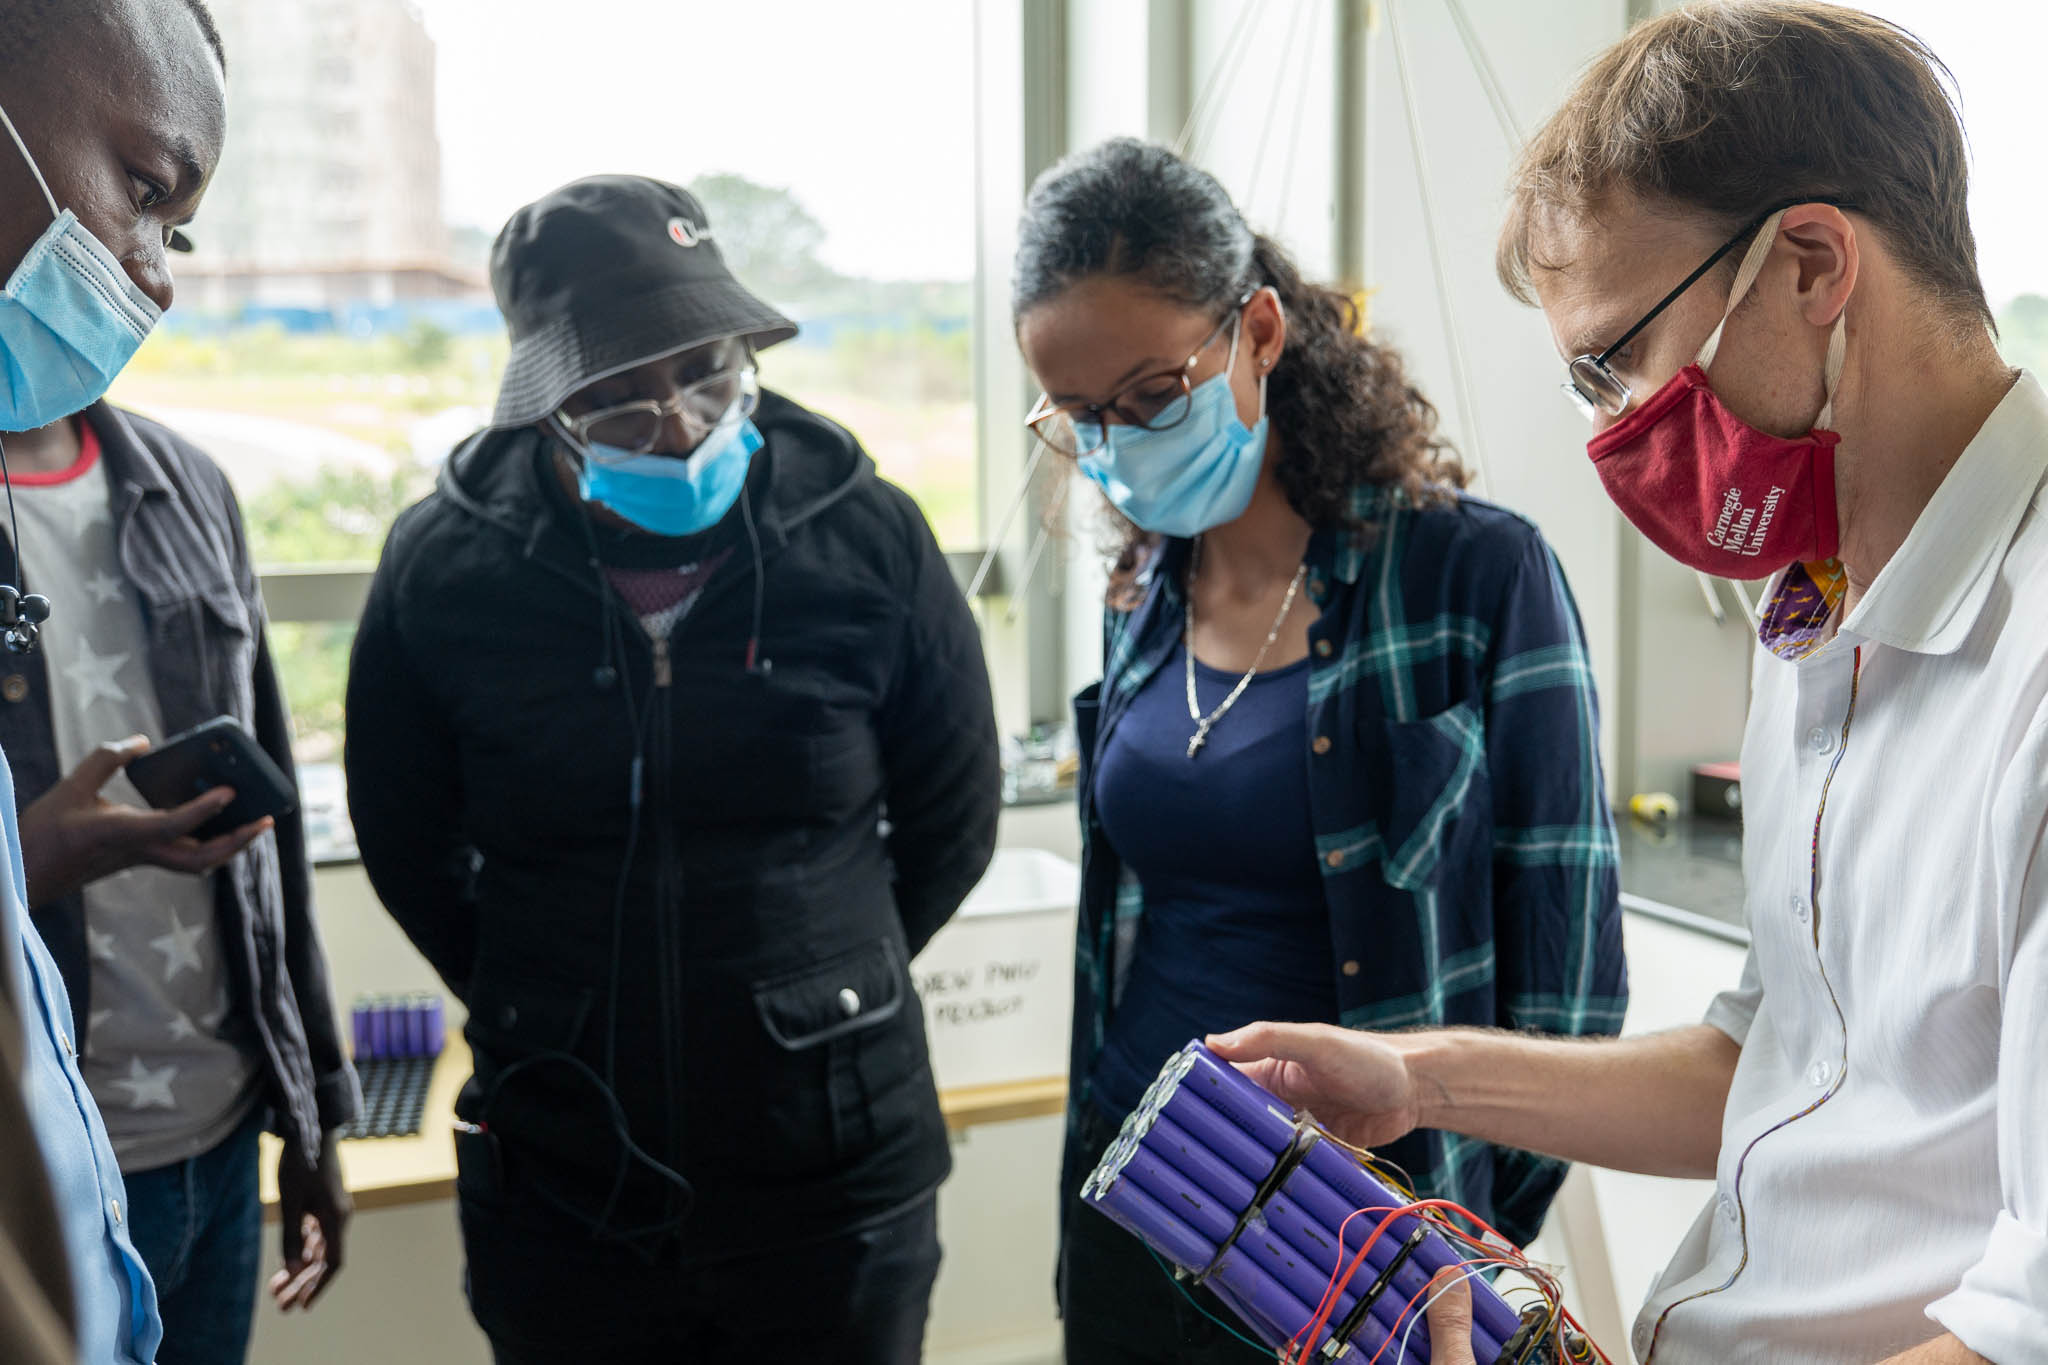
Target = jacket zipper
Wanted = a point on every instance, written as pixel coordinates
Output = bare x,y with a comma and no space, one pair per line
662,675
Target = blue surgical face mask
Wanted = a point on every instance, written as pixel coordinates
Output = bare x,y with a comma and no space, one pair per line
1195,475
70,319
674,495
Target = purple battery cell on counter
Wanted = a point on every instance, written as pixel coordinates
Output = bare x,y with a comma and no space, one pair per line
437,1026
415,1027
374,1028
359,1031
1245,1102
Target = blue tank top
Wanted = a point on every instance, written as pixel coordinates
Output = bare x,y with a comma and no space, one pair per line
1235,927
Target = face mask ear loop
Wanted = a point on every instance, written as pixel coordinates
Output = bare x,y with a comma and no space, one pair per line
1752,264
13,526
35,170
1838,351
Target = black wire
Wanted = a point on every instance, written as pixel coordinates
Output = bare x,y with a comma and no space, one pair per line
13,526
636,725
638,719
753,659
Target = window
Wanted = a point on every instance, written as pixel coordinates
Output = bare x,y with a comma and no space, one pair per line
1989,48
335,335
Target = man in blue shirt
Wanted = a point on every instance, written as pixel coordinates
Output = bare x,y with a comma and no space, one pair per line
123,102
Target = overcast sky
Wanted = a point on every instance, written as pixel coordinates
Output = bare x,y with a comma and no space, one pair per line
1998,50
866,111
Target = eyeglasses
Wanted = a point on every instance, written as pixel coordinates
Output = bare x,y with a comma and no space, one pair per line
1159,402
638,426
1598,391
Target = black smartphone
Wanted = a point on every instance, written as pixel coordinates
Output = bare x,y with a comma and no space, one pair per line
219,753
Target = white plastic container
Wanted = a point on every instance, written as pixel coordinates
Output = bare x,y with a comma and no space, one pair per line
998,981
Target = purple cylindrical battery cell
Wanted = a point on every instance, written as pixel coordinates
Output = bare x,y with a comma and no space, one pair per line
359,1030
1237,1097
1215,1221
1138,1212
1288,1225
437,1026
385,1032
1257,1297
416,1027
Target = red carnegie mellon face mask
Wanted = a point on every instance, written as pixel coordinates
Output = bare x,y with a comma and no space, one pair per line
1709,489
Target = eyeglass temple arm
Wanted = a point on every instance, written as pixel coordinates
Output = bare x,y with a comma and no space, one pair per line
1690,280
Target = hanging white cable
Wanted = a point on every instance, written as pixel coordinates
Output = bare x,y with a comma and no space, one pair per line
1221,77
1713,598
1308,52
1468,1274
1038,544
1748,607
995,544
1251,195
1460,371
1489,79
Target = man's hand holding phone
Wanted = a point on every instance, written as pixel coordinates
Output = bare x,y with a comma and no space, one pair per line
72,835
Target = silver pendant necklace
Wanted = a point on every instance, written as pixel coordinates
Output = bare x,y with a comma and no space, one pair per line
1204,724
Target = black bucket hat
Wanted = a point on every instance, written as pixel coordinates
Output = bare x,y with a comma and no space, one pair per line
607,273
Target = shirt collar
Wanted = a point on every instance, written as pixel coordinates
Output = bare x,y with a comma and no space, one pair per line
129,459
1928,598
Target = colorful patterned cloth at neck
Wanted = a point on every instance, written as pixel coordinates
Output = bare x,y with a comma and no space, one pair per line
1798,620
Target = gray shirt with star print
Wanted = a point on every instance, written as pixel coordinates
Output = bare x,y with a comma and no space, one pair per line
170,1081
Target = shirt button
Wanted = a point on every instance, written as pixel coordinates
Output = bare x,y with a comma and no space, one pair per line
1316,588
849,1002
1799,907
1323,648
1322,744
1820,1073
1820,739
1642,1339
1351,967
65,1039
1727,1208
14,687
1335,857
114,1207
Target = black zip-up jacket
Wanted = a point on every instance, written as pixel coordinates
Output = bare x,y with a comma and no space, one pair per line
722,924
179,535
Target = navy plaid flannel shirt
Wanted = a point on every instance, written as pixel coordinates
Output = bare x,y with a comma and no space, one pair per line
1461,819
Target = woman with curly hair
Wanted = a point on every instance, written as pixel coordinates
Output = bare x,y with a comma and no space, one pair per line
1343,766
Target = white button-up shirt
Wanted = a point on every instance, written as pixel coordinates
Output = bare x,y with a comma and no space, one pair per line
1884,1156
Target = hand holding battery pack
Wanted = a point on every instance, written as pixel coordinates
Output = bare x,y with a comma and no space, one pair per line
1357,1084
1322,1249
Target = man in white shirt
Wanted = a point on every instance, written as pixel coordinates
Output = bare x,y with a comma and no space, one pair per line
1747,230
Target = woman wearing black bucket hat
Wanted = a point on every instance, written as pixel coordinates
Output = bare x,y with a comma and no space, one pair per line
670,743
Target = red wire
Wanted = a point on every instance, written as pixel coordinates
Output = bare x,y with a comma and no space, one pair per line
1322,1317
1332,1290
1504,1254
1422,1295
